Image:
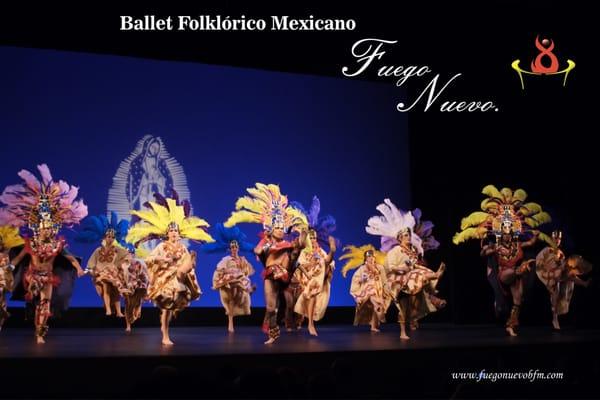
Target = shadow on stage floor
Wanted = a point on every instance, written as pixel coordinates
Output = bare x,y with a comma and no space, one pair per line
342,362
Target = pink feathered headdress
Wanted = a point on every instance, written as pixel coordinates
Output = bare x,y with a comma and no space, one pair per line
36,203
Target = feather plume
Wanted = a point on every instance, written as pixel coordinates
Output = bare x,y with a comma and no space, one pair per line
264,203
474,219
492,191
45,173
547,239
356,257
22,201
507,195
520,195
10,236
542,218
529,209
223,236
391,222
469,233
154,223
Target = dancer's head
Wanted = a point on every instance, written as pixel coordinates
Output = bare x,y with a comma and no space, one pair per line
109,236
173,232
278,230
404,236
557,237
369,257
312,235
234,247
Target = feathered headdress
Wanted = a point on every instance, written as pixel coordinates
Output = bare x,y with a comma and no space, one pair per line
356,257
9,236
94,228
500,208
41,204
423,229
267,206
324,226
223,238
392,222
163,214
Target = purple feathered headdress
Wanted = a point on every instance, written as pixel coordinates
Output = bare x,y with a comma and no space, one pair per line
324,226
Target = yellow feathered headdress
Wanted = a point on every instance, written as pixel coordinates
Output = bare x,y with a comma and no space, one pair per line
155,223
267,206
502,207
10,236
356,257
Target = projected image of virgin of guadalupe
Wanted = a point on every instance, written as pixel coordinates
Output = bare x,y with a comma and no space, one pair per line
149,169
148,174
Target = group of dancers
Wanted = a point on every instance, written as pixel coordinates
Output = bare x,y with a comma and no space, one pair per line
148,259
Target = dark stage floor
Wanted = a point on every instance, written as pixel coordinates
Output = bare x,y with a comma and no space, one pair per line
216,341
343,361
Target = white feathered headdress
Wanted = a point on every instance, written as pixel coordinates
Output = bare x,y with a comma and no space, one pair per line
393,221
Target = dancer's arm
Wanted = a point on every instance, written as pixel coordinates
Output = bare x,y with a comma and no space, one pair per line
332,250
75,264
531,241
19,257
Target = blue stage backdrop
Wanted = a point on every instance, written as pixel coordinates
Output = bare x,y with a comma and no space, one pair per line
121,127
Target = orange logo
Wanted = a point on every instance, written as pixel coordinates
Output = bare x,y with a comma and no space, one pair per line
546,63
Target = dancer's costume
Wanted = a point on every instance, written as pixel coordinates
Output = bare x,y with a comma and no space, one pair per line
370,288
106,262
167,290
560,273
9,238
40,208
232,274
267,206
411,281
137,280
505,228
314,274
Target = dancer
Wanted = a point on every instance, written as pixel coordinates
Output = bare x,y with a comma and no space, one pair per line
266,205
310,297
560,274
173,283
505,227
45,272
106,262
136,279
413,284
369,288
9,238
232,274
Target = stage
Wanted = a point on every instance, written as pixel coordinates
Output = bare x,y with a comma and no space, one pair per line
343,361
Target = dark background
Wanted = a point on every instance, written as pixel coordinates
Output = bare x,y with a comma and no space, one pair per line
540,140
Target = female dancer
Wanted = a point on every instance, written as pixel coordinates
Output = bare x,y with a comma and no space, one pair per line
369,288
315,270
9,238
412,283
173,283
560,274
106,262
232,274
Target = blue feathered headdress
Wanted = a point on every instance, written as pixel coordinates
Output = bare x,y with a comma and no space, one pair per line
223,236
324,226
94,228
